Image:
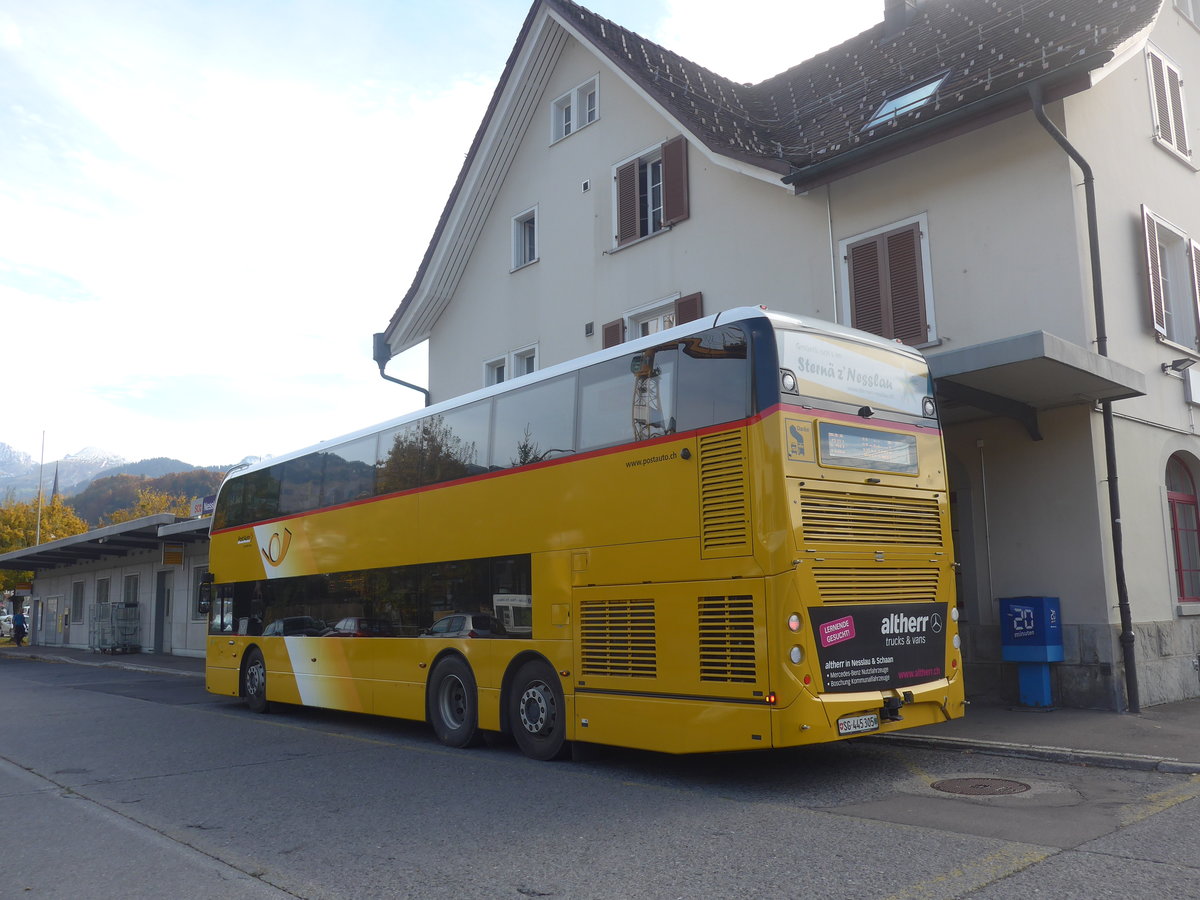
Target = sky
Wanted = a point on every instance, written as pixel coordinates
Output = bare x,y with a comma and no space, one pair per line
207,207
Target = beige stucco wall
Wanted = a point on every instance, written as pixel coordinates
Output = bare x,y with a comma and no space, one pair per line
998,268
745,242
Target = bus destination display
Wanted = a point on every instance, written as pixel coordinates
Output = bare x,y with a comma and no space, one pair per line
865,448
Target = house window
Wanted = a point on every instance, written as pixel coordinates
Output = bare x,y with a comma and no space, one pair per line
911,99
511,365
886,282
77,601
1167,104
1185,529
1173,276
524,238
651,191
575,109
130,595
524,362
1189,9
101,590
652,319
495,371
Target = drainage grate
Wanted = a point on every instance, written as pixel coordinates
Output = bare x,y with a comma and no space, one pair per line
980,787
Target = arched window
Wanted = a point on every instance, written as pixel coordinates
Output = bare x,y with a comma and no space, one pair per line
1185,528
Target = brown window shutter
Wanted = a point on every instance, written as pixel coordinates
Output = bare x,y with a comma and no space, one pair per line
627,203
1158,311
1162,104
887,285
612,333
689,308
675,181
1175,91
905,286
866,285
1194,251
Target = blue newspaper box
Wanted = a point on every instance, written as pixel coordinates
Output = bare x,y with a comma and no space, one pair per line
1031,636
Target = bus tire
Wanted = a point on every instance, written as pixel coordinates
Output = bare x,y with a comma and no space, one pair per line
537,713
454,703
254,681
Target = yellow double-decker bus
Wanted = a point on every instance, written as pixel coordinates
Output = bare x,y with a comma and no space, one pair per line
731,534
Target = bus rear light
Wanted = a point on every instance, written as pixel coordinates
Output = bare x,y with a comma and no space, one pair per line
954,614
957,642
807,679
794,622
771,698
797,655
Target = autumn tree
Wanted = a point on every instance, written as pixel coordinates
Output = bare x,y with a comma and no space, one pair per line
19,529
151,501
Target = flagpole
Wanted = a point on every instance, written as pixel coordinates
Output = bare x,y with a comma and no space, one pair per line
41,467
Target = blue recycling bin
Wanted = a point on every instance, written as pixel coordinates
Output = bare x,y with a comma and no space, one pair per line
1031,636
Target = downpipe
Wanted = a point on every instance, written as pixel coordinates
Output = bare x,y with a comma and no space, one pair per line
1128,638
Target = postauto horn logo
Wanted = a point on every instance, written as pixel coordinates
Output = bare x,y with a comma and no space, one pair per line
277,547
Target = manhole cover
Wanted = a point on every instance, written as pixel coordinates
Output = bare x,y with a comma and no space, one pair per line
980,787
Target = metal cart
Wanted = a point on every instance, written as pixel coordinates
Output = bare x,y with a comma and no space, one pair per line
115,628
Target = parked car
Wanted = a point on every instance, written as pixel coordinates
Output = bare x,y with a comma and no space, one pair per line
466,625
361,626
294,625
6,625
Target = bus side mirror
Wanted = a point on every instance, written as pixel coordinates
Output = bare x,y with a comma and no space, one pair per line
205,600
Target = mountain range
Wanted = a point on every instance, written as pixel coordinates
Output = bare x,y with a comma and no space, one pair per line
75,471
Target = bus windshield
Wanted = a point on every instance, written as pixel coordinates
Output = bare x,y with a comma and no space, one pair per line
853,372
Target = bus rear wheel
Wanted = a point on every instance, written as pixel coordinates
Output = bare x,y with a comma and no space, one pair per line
254,681
454,703
536,712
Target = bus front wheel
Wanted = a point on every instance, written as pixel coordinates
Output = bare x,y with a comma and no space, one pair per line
536,712
453,703
254,681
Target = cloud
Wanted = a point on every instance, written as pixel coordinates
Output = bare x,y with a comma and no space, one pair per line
201,264
765,37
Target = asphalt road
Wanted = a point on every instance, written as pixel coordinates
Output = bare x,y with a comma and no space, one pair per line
128,784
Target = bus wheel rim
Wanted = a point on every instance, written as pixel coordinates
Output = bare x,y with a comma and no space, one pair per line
255,677
537,709
452,700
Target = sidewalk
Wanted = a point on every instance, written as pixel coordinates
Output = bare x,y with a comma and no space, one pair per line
1163,738
142,662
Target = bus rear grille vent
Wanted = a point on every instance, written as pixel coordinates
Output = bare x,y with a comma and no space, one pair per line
862,519
618,637
727,650
886,585
724,507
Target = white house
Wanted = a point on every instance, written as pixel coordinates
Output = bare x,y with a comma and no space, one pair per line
1006,184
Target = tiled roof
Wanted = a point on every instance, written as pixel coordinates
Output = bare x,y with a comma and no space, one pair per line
816,110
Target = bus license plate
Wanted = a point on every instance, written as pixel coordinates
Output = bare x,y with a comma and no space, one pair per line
858,724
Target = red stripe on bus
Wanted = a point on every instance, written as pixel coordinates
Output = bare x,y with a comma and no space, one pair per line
595,454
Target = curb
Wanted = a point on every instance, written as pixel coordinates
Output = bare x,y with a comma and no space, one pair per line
1100,758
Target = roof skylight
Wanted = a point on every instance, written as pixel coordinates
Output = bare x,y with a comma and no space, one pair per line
911,99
